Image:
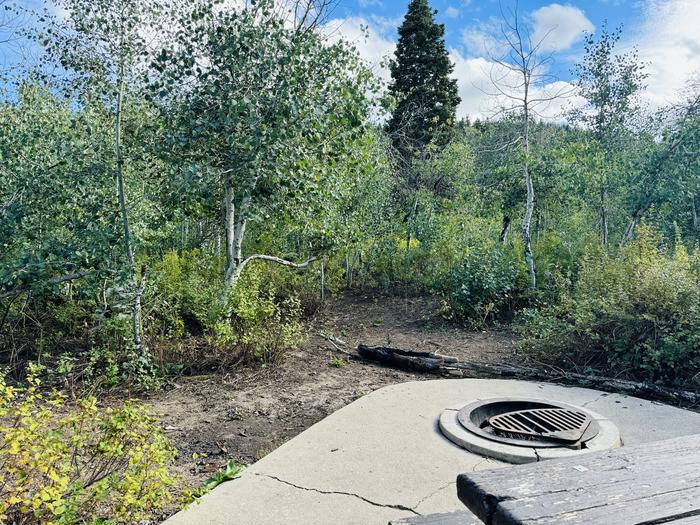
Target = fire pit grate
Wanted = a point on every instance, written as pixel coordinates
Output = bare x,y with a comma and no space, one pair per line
559,424
527,429
529,422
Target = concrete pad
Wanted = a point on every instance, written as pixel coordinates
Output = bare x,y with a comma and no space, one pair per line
383,456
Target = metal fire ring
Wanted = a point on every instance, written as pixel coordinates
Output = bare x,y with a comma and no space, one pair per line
475,415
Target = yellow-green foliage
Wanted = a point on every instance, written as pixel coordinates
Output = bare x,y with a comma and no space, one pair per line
262,325
187,287
414,244
78,463
637,311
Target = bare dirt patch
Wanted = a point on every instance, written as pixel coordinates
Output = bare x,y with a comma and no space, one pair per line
247,413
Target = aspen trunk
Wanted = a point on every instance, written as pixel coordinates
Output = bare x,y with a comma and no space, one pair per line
229,227
629,231
239,232
530,203
604,216
137,284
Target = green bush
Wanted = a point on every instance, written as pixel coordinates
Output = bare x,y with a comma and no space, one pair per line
79,463
263,325
258,321
185,293
484,285
462,259
638,312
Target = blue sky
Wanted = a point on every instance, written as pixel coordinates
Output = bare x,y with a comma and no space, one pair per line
461,15
664,31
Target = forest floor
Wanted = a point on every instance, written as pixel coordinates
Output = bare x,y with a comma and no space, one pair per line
244,415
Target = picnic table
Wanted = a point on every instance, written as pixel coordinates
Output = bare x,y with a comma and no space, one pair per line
646,484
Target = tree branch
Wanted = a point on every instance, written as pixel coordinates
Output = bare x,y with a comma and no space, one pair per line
272,258
53,280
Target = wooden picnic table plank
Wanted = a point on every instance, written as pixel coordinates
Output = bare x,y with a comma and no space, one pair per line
646,484
461,517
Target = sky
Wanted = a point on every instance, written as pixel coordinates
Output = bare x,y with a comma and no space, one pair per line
665,32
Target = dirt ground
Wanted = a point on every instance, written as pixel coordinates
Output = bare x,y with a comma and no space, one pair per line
247,414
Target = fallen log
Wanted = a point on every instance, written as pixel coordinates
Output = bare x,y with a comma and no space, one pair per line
433,363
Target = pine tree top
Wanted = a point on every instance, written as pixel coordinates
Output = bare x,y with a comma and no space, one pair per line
427,96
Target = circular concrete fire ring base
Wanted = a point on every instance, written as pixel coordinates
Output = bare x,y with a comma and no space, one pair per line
608,437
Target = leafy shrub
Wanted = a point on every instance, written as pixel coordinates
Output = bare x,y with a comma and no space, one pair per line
638,312
73,341
461,258
259,320
483,285
263,325
185,293
559,255
78,463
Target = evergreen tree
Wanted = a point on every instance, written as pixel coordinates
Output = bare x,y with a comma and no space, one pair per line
427,96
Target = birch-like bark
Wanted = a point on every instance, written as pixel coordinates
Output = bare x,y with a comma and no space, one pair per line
229,227
530,202
629,231
271,258
604,228
240,229
235,221
121,195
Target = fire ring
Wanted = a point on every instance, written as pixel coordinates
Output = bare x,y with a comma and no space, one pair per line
523,430
529,422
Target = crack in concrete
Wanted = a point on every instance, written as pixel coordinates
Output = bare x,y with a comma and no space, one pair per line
537,455
592,401
341,493
436,491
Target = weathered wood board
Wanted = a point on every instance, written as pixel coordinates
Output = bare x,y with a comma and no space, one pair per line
647,484
443,518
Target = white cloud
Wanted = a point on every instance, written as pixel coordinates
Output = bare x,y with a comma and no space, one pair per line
473,82
374,38
669,42
452,12
368,36
482,41
558,26
480,99
370,3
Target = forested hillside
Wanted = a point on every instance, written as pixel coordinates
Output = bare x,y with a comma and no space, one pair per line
184,175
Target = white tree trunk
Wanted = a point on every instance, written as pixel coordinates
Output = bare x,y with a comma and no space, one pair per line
229,227
138,284
530,202
629,231
604,228
235,221
240,229
271,258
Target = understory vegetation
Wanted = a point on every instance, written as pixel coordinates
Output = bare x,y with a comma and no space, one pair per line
185,202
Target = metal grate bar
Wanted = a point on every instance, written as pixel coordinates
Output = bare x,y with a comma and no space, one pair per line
562,419
551,423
